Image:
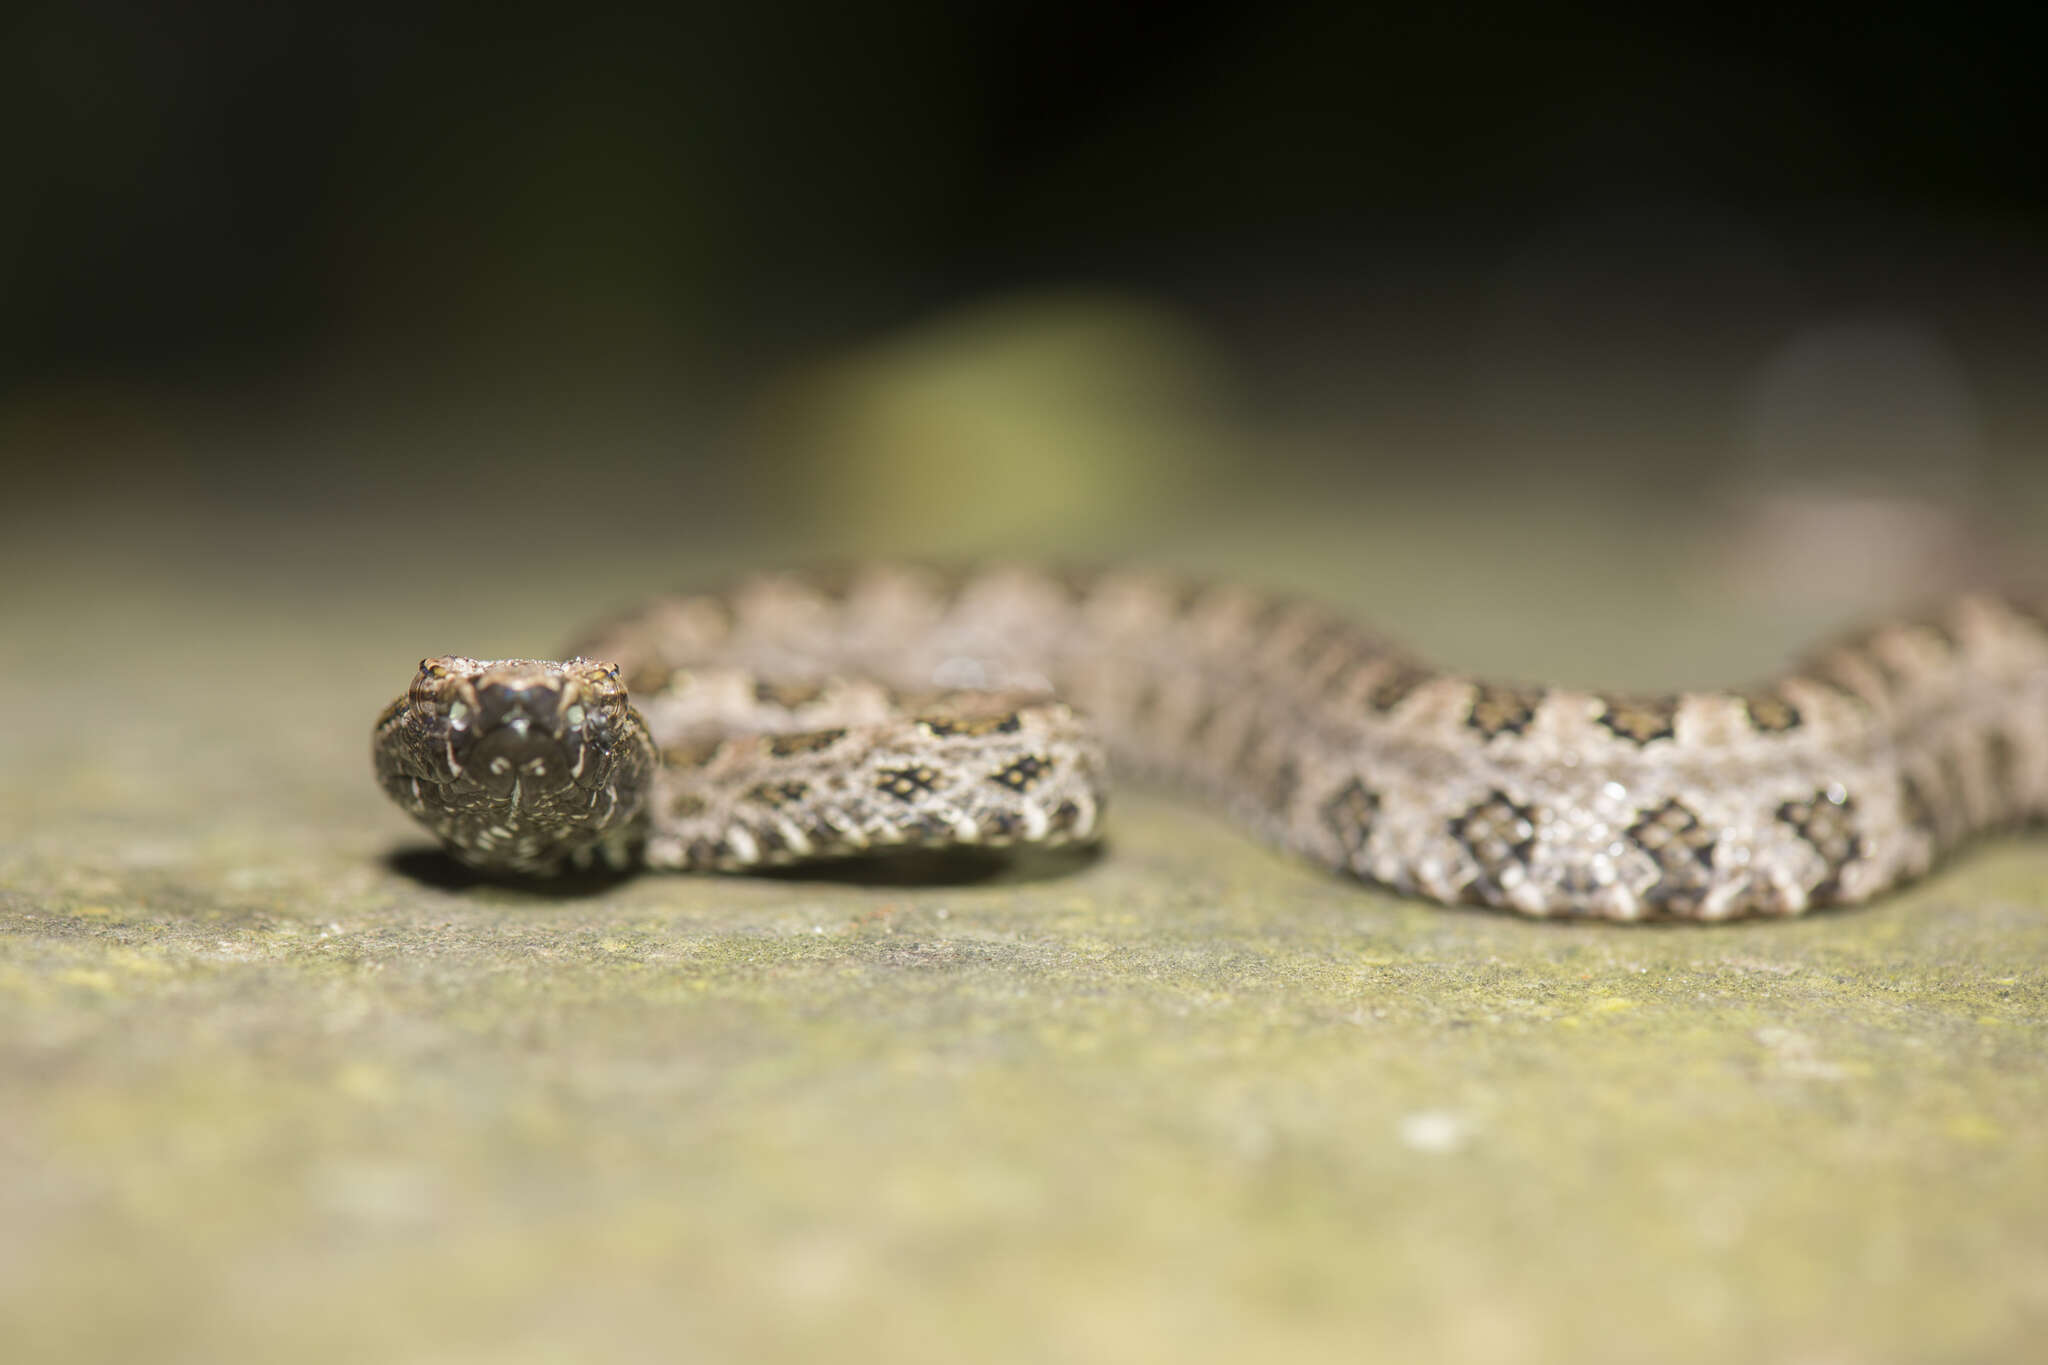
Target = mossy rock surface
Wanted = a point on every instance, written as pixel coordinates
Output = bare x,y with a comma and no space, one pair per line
279,1083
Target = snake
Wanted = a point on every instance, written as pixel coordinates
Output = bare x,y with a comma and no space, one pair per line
815,715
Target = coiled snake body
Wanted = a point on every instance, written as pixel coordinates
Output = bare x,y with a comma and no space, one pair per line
811,716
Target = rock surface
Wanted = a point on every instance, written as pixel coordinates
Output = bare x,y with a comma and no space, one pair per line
276,1082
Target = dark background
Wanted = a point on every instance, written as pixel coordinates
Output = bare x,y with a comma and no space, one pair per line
301,259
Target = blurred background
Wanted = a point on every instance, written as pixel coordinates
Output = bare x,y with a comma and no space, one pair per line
590,302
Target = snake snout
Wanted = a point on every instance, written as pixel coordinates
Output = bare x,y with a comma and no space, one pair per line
516,692
526,734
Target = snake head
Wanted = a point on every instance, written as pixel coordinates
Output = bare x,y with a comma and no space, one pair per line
515,763
518,726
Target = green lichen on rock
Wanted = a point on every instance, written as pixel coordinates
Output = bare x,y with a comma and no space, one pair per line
280,1084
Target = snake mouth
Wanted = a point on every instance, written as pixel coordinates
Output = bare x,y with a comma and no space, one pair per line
518,731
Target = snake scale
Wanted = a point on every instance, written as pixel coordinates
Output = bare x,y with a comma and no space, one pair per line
811,716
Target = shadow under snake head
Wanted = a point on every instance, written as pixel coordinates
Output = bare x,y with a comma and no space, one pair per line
518,764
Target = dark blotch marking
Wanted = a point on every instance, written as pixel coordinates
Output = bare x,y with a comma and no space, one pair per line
1022,775
1399,682
788,694
1683,850
929,829
1641,719
1829,826
1838,671
690,753
1258,768
1770,713
804,742
1074,584
1498,834
1185,597
707,853
822,832
1350,815
1502,710
687,806
833,582
1931,799
947,727
778,794
907,784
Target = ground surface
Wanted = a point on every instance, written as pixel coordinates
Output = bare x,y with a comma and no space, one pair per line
278,1083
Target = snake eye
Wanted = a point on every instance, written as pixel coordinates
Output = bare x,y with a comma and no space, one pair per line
429,668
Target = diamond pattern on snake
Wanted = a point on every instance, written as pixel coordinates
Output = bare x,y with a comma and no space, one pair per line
799,717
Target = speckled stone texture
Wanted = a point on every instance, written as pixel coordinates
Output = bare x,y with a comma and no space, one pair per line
277,1082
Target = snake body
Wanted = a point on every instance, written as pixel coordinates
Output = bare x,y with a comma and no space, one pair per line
813,716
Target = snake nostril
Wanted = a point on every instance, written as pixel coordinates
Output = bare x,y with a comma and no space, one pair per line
515,697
